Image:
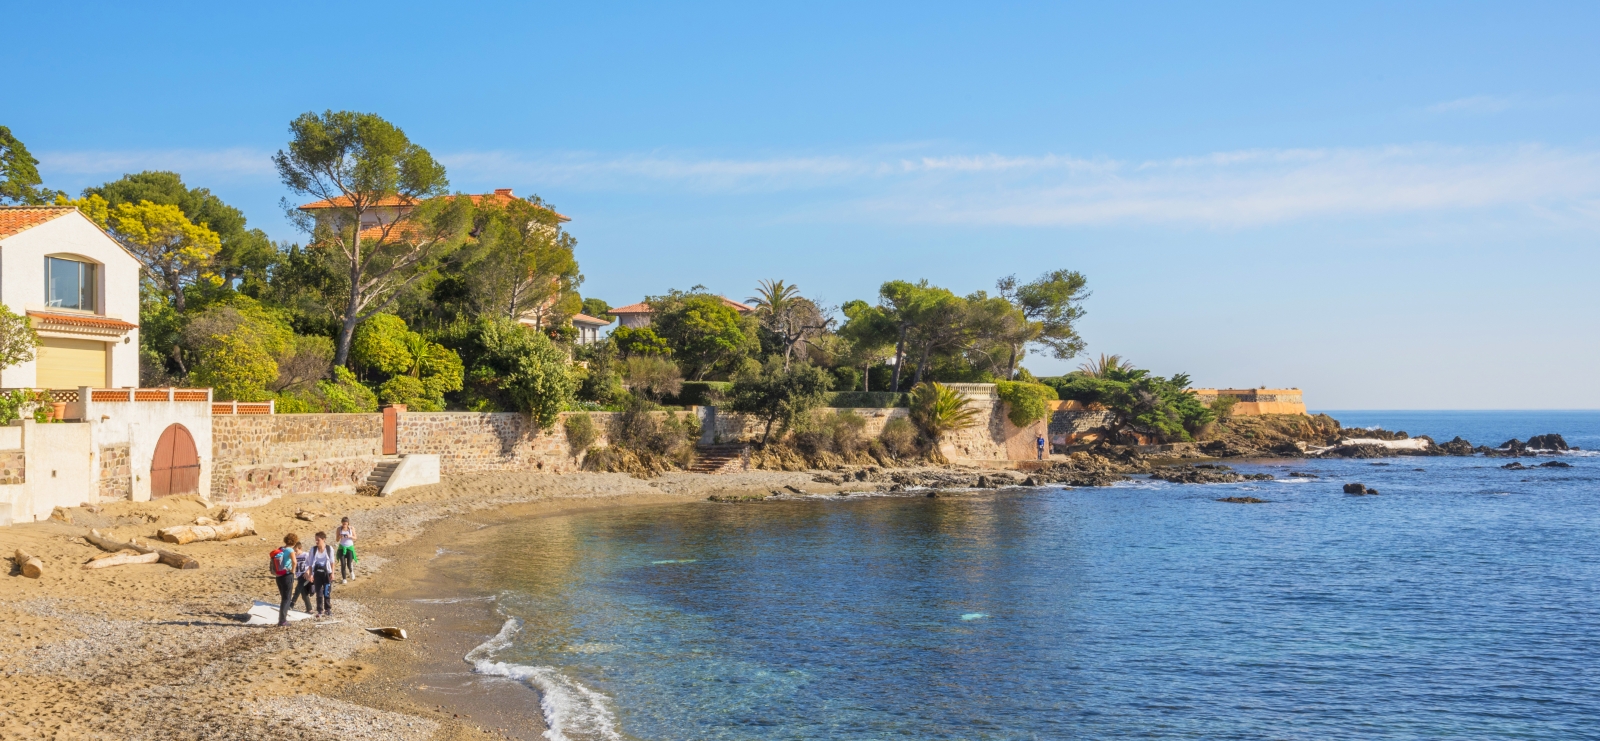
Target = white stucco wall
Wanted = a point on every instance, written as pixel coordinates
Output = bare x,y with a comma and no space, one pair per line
139,424
22,287
59,471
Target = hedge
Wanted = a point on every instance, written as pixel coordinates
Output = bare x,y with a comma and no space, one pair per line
865,399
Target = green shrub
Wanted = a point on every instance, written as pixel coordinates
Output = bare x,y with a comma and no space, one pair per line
865,399
702,393
778,396
346,395
411,392
581,432
937,410
516,368
899,438
380,344
1028,402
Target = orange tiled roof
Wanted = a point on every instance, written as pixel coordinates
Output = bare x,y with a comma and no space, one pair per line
17,219
85,320
644,308
500,195
586,319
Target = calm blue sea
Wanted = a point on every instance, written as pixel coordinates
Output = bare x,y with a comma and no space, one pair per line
1463,602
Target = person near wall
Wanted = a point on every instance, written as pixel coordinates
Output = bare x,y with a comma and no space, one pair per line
320,560
1040,442
303,587
282,564
346,535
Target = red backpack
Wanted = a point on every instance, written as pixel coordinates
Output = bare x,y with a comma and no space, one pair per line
282,563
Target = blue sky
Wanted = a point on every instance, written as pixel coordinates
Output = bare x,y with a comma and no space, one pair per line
1389,208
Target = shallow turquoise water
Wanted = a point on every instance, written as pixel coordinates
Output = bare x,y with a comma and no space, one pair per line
1460,603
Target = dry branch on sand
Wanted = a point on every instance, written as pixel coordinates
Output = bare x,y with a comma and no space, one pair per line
175,560
107,560
233,525
309,515
31,566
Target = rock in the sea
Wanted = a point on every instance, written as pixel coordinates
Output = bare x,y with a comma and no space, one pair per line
1515,466
1355,489
1550,441
1205,473
1458,446
1301,475
1555,464
1243,500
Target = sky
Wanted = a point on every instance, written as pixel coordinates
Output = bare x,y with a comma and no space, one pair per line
1387,207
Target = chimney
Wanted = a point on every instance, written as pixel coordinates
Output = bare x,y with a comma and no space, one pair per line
503,192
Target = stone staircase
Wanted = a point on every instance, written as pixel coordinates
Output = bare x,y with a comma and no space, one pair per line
723,458
380,474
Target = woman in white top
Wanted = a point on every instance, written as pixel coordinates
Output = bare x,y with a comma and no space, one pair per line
347,550
320,562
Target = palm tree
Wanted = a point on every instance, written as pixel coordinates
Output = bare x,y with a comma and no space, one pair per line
773,297
1105,366
938,410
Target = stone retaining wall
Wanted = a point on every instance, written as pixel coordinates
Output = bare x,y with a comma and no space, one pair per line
490,441
266,456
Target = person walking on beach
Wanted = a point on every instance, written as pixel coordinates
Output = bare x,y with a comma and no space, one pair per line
320,560
281,562
1041,443
347,550
303,586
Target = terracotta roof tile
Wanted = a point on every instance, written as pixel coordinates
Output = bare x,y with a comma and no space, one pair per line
17,219
85,320
644,308
586,319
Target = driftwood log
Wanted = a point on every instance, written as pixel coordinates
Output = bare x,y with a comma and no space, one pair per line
32,567
175,560
236,525
393,634
107,560
309,515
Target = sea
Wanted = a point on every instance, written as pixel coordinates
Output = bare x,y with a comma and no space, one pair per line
1462,602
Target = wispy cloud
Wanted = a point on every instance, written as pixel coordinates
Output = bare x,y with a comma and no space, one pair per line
1473,104
1227,189
236,163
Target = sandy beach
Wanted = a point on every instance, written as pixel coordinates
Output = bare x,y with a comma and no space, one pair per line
146,651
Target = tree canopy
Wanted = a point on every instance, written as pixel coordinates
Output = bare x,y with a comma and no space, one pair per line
19,173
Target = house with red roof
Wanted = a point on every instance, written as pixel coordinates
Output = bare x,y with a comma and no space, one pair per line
638,315
80,289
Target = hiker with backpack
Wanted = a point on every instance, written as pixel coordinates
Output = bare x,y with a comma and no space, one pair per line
282,564
320,561
303,586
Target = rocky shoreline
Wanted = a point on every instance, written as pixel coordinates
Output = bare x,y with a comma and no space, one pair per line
1188,463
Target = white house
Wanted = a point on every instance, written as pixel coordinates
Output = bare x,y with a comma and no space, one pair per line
81,290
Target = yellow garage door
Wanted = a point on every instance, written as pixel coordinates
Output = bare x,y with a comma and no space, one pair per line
68,364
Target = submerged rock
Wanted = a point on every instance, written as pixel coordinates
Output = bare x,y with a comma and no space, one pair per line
1242,500
1515,466
1206,474
1359,490
1555,464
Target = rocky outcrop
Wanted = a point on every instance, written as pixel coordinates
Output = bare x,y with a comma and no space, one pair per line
1359,490
1358,451
1549,441
1457,446
1205,473
1546,443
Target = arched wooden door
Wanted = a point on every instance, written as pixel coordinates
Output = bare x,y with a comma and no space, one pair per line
176,467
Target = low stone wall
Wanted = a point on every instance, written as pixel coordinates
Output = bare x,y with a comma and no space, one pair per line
116,473
493,441
993,438
266,456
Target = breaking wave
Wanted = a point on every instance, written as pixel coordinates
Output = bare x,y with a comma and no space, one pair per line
572,712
